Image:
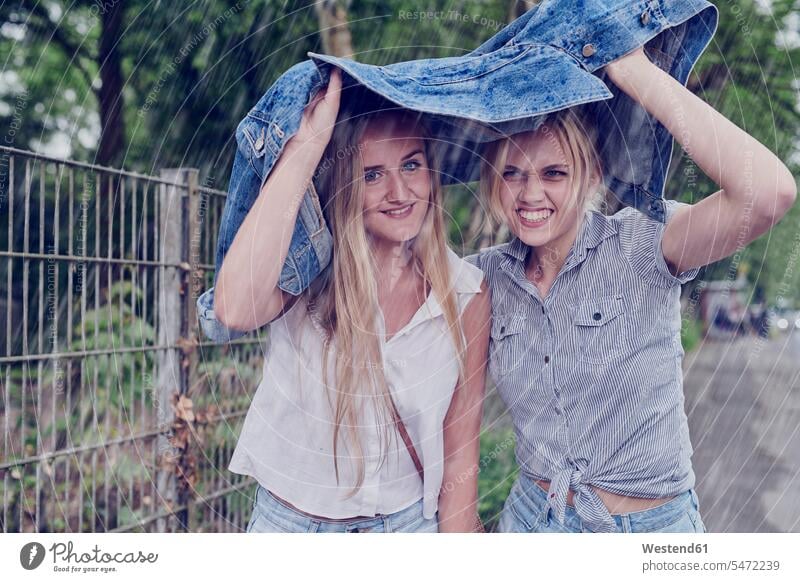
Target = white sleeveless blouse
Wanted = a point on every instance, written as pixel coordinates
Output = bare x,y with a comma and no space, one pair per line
286,442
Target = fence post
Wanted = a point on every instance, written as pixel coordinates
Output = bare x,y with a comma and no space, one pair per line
192,221
173,324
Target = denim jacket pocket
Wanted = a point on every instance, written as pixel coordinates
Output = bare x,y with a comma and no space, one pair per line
600,328
257,137
251,137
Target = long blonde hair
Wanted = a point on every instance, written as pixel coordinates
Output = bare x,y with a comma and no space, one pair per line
344,299
575,131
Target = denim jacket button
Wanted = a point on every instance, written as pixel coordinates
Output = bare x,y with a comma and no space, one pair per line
259,145
588,50
645,18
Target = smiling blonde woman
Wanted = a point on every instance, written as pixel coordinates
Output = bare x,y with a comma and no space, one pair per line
368,414
585,342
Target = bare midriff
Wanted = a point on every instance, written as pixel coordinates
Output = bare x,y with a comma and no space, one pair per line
616,504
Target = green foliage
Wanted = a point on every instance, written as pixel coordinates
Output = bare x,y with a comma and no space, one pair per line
691,333
498,471
121,383
192,70
748,75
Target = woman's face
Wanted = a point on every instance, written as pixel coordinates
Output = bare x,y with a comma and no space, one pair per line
397,180
536,189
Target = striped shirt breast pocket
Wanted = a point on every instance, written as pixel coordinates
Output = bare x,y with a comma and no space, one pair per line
601,329
507,348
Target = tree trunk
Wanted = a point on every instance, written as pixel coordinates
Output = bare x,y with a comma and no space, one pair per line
519,7
110,93
333,29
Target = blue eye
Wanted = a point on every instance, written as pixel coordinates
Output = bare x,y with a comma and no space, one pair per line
554,173
371,176
511,174
411,165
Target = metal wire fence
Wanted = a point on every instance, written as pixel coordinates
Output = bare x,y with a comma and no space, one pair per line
116,416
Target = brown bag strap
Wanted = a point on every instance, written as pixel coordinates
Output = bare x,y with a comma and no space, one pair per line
410,446
401,428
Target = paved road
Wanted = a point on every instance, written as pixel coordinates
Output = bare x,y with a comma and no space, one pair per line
743,403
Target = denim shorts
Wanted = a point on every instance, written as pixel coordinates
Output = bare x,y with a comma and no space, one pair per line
271,515
526,510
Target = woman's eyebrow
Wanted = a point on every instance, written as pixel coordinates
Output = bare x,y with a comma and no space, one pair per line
412,154
405,157
544,169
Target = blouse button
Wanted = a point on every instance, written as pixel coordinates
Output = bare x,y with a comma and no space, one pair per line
503,329
597,316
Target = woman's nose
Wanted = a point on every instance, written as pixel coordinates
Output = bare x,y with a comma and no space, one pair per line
532,189
399,190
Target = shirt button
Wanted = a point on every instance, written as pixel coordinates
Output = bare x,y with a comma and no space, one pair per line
597,316
588,50
547,359
503,329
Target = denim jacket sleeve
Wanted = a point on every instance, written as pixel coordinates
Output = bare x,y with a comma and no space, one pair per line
260,139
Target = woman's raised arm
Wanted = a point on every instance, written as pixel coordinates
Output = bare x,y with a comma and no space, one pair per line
757,189
247,295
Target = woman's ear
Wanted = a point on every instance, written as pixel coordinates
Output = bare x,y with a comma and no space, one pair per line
596,179
597,173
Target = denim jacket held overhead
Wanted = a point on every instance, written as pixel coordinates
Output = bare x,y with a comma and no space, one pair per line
546,60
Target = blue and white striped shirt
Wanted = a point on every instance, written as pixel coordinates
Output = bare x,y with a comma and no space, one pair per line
592,375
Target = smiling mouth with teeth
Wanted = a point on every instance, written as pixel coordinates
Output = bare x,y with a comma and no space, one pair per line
534,216
399,212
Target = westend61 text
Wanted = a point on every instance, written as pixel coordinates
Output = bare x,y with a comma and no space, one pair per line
674,549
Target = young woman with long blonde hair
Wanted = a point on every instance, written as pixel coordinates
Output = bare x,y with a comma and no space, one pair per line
585,341
368,414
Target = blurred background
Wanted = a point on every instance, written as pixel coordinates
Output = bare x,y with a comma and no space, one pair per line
117,122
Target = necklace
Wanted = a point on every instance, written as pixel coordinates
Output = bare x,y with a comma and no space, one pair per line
537,272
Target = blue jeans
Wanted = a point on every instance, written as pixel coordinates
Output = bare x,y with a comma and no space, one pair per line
271,515
526,510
